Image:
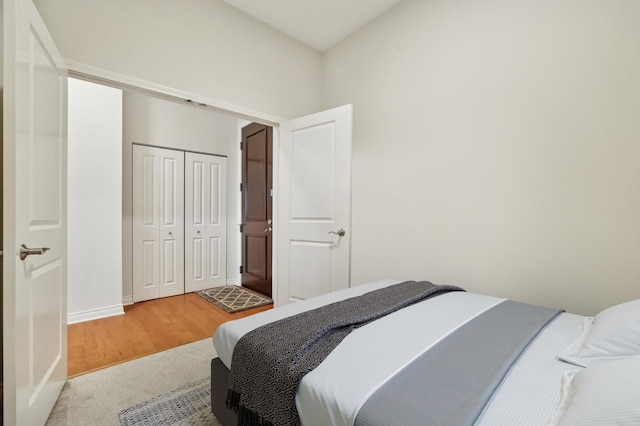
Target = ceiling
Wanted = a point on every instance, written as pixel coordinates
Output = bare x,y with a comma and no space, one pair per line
318,23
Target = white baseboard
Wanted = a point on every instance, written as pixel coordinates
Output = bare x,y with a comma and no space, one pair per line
127,300
93,314
233,281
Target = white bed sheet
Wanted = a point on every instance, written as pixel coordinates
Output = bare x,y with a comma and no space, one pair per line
333,393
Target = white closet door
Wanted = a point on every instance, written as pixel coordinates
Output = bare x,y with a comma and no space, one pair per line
205,221
158,222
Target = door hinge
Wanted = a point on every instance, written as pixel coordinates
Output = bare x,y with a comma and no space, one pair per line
240,268
241,228
240,146
240,186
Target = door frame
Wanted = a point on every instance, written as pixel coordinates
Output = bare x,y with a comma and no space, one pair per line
108,78
124,82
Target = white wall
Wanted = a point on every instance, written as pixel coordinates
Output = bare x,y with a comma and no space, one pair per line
496,147
94,201
203,47
167,124
503,135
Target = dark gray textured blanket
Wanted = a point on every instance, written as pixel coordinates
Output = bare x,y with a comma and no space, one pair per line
269,362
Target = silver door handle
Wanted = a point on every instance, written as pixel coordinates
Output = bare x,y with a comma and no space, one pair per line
26,251
269,229
341,232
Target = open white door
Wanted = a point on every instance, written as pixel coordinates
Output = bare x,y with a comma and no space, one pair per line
35,155
314,208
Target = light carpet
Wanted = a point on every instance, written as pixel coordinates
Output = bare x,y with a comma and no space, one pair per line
233,298
97,398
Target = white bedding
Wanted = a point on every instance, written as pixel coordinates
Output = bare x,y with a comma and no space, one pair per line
531,390
333,393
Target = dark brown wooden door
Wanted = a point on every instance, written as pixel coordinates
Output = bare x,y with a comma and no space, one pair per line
256,229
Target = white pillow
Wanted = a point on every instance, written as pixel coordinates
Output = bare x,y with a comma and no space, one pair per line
605,394
613,334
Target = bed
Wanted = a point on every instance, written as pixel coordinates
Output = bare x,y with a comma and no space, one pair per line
438,361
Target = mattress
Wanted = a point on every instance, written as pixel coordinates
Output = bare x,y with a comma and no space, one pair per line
366,359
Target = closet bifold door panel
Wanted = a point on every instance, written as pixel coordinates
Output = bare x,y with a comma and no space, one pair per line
205,221
158,222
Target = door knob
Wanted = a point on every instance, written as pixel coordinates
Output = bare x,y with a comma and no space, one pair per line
268,229
26,251
340,233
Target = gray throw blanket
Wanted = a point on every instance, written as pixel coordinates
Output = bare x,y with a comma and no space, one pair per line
269,362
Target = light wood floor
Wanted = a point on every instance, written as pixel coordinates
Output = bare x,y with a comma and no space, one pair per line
145,328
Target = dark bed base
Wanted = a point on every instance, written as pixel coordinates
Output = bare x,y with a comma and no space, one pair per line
219,382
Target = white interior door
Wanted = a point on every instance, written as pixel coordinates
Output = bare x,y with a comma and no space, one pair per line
314,208
35,152
205,221
158,222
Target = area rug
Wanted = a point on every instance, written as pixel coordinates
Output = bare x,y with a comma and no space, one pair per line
187,405
233,298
